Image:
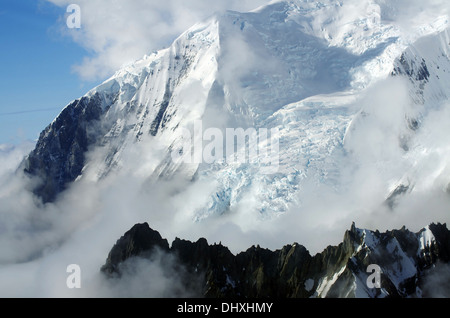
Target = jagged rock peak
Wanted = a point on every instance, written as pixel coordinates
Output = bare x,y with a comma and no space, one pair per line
139,240
406,260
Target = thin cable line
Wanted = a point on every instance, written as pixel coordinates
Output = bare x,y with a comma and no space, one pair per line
29,111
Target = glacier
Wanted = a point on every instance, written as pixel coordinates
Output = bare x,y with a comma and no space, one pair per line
312,70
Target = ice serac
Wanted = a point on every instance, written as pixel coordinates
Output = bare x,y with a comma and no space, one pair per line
408,263
295,66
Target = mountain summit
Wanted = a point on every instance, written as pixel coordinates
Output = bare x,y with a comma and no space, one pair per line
303,68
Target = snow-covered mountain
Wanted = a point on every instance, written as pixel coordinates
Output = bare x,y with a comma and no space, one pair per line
354,98
311,70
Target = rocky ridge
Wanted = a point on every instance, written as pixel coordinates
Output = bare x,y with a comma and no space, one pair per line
406,260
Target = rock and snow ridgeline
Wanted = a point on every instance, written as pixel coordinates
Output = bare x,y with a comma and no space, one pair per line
406,261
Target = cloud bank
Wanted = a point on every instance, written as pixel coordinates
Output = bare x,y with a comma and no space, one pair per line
38,242
120,32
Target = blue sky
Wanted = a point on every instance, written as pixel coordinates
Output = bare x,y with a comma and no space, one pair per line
36,61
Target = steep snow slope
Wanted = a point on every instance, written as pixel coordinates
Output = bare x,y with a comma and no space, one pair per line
301,67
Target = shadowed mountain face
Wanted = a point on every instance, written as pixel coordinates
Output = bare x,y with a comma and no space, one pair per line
59,156
408,262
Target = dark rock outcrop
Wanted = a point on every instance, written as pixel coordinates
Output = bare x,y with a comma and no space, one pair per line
138,241
416,70
59,156
405,258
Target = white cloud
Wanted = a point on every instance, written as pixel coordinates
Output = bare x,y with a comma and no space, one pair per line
84,224
120,32
409,13
11,156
